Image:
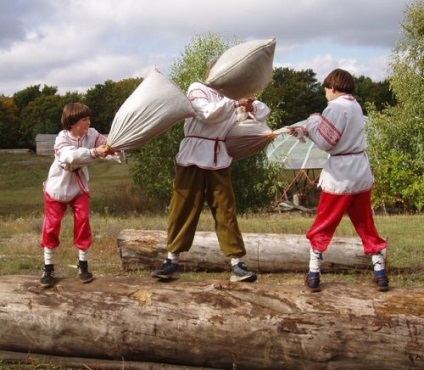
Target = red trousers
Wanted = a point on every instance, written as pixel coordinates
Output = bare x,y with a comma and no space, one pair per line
54,211
331,209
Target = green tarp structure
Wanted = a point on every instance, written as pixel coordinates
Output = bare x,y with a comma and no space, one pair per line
294,155
305,159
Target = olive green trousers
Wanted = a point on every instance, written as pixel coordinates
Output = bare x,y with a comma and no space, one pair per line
192,187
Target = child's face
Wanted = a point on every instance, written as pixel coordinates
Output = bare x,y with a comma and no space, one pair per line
81,127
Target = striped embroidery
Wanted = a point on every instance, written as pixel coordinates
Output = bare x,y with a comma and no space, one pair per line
197,94
328,131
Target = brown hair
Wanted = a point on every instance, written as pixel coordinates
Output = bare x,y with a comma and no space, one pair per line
340,80
72,113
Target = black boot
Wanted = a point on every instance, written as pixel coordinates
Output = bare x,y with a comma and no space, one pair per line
84,275
381,280
47,279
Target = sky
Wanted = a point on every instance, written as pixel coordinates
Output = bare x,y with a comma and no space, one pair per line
76,44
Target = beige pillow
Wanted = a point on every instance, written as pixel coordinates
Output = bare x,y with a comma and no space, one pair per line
247,138
155,106
244,69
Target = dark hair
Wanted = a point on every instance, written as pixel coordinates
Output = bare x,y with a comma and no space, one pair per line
72,113
340,80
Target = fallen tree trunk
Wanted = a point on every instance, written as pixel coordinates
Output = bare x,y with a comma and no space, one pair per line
214,324
266,253
46,361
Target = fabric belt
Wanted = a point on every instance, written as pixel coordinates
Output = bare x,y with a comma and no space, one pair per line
340,154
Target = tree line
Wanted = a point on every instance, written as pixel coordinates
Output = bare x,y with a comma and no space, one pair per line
292,95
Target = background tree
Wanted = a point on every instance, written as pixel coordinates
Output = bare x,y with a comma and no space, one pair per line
105,99
9,123
23,97
293,96
72,97
22,100
378,94
42,115
396,135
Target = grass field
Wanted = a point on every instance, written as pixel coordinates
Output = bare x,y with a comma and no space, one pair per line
116,205
22,177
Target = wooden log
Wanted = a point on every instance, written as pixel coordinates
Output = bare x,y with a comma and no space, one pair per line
266,253
215,324
46,362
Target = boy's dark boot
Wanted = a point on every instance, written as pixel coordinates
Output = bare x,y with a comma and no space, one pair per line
312,281
84,275
168,270
47,279
381,280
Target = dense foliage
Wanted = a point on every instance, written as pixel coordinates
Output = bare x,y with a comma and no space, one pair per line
293,96
396,135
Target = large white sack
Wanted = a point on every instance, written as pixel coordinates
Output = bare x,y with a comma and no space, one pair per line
247,138
244,69
154,107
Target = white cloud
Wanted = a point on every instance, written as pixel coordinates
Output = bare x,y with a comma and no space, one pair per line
75,44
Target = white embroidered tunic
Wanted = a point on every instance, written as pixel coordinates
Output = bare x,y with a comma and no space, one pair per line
203,144
68,175
340,131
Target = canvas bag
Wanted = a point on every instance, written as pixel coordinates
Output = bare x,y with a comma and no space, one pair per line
247,138
244,69
155,106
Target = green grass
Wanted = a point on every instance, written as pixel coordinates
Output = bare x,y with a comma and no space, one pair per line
22,177
21,182
116,205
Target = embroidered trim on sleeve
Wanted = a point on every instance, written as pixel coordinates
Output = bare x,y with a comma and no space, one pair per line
328,131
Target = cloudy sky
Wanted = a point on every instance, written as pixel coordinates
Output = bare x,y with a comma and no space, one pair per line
76,44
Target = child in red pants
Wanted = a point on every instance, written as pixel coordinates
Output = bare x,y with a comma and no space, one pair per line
67,185
346,179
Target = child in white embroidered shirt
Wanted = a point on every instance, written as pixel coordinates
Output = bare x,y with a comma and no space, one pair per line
346,179
76,146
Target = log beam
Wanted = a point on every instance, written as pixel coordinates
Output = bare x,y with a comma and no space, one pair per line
266,253
215,324
46,362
